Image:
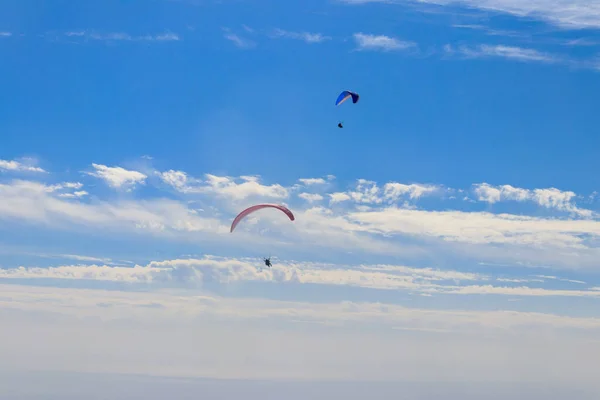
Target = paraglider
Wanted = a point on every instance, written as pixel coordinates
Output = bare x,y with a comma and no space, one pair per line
345,95
257,207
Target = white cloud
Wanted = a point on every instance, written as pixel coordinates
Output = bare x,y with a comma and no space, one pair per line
561,279
118,177
394,190
502,51
573,14
5,34
478,227
151,333
311,197
367,218
166,37
186,305
76,194
178,179
122,36
236,189
305,36
182,272
548,198
380,42
368,192
312,181
35,202
239,41
339,197
250,186
17,166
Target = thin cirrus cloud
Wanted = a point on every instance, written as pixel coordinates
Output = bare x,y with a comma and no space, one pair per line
578,14
363,42
503,51
122,36
372,42
239,41
307,37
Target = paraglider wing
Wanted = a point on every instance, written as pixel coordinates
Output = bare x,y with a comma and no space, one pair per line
345,95
252,209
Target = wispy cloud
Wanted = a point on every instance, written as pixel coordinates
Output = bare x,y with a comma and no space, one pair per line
118,177
86,301
5,34
575,15
491,31
316,181
39,203
307,37
380,42
238,40
502,51
18,166
122,36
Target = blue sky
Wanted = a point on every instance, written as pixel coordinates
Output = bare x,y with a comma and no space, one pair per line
455,218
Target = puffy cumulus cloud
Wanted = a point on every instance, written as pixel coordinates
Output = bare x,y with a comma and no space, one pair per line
249,186
393,190
369,192
67,190
311,197
177,179
339,197
194,271
236,189
491,194
25,165
549,198
118,177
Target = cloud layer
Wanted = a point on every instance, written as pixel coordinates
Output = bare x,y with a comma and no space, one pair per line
394,218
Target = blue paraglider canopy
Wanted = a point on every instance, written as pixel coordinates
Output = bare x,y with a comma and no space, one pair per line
345,95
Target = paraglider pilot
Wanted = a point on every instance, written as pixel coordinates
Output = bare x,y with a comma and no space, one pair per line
268,262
